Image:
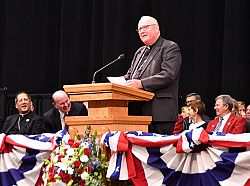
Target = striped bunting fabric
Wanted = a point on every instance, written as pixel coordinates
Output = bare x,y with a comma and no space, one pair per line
190,158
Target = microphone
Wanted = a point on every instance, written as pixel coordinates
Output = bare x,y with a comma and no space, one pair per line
120,57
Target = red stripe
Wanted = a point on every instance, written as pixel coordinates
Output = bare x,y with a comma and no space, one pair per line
147,143
204,137
130,163
122,144
2,147
10,141
229,143
247,183
179,148
140,178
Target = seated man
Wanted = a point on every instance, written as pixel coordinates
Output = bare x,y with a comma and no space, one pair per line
26,122
226,121
184,121
54,118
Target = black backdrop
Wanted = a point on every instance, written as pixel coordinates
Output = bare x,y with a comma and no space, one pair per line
45,44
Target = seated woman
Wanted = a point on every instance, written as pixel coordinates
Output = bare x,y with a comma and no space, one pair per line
194,120
196,110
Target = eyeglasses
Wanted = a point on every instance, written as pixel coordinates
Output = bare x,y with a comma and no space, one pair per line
190,101
146,27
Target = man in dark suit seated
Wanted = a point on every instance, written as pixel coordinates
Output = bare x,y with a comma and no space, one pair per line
26,122
184,122
54,118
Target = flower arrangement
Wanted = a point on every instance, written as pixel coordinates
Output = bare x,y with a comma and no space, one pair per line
76,162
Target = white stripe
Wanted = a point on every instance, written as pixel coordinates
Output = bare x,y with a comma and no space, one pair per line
244,137
196,135
31,176
12,160
29,143
113,141
185,143
153,175
241,172
124,168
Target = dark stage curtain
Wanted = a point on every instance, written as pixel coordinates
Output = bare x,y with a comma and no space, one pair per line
45,44
3,108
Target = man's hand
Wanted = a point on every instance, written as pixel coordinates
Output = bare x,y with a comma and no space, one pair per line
135,83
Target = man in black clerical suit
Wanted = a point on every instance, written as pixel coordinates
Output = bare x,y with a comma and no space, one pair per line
156,68
26,122
54,118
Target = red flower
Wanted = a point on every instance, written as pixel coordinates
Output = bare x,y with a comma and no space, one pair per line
60,157
77,163
76,180
76,144
87,152
82,182
66,178
51,168
79,171
89,168
61,174
71,141
52,180
51,175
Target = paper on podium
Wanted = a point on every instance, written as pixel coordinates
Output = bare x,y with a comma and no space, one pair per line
117,80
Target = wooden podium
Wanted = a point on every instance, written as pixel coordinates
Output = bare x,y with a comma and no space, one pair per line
107,107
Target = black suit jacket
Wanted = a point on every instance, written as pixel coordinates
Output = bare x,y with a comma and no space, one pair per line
160,75
52,121
33,124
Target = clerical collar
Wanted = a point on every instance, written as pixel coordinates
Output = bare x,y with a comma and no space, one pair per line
150,47
23,115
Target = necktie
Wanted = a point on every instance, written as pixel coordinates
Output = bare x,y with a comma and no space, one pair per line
65,125
217,128
141,63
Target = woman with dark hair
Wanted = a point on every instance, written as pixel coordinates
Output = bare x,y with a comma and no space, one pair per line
196,110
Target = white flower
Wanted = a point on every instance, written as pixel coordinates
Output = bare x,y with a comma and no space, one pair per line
55,159
70,152
70,171
58,184
84,175
84,158
85,145
66,158
61,165
66,138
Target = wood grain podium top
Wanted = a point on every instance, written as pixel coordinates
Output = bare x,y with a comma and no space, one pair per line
110,89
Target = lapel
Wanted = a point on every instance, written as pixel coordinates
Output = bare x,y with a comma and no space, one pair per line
151,55
13,122
138,57
228,123
57,118
214,123
27,122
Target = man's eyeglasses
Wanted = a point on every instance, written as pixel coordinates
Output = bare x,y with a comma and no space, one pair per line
187,102
146,27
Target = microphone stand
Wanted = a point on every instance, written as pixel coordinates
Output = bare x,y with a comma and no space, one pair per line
120,57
